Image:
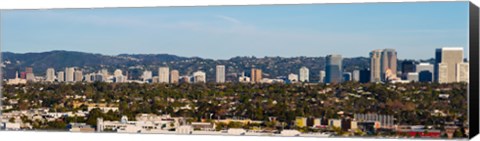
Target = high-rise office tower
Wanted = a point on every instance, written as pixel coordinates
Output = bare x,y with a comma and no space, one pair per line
365,76
220,72
163,75
199,77
407,66
383,65
376,66
61,76
446,61
389,63
256,75
78,76
30,76
333,68
50,75
356,75
69,74
304,74
174,76
147,75
462,72
322,77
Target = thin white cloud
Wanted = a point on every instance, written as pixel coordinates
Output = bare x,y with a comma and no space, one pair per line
229,19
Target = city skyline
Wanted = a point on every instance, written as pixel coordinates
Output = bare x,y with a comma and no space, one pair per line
242,30
365,55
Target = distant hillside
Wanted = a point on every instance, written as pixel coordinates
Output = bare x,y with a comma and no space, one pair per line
135,63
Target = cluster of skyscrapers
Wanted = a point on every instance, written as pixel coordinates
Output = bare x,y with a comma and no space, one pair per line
449,67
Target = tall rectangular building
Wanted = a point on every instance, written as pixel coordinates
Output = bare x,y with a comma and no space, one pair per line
78,76
376,66
174,76
383,65
356,75
220,72
256,75
61,76
29,75
365,76
462,72
389,64
446,61
304,74
333,68
69,74
163,75
50,77
322,77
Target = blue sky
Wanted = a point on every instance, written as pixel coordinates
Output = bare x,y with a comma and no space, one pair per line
221,32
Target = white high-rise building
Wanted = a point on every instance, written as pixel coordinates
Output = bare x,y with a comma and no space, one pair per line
50,75
69,74
220,74
163,75
147,75
199,76
462,72
61,76
356,75
322,77
293,77
446,62
304,74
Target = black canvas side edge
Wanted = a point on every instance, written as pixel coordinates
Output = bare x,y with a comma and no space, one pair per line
473,96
